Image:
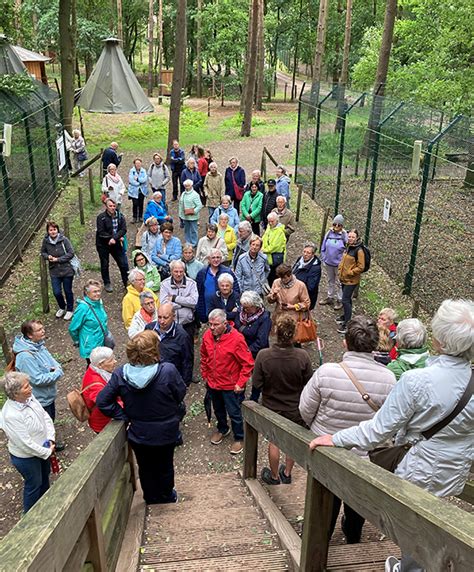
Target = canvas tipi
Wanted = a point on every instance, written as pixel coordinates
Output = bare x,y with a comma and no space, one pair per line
112,86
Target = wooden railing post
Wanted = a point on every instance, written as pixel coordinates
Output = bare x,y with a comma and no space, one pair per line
298,202
91,185
133,471
324,227
317,526
66,229
96,555
81,206
7,354
44,284
250,451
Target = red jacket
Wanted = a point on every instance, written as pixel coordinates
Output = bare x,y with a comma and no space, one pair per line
394,351
97,420
203,167
226,362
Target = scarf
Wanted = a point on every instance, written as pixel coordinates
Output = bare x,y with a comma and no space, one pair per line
105,375
114,178
53,241
146,316
290,284
247,319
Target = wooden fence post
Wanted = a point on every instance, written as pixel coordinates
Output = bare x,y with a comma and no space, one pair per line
416,159
250,451
7,354
317,526
81,206
44,285
222,94
356,168
96,556
298,202
286,89
324,227
91,186
66,229
209,107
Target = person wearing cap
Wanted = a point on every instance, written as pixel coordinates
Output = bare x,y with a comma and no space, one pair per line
332,250
269,201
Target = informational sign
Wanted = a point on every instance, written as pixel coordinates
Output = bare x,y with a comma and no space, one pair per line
60,152
387,209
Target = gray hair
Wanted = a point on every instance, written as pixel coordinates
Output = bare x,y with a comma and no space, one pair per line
251,298
226,277
255,171
453,328
13,382
311,245
214,252
157,194
411,333
272,216
151,220
189,160
222,216
134,274
74,131
175,263
100,354
217,313
226,198
245,224
187,246
188,183
212,164
255,237
282,198
144,296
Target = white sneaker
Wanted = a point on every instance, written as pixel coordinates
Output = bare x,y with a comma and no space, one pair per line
392,564
60,313
68,315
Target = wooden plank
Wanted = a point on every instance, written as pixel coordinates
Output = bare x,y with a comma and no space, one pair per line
113,507
79,553
289,540
250,452
106,494
96,554
132,540
398,508
118,528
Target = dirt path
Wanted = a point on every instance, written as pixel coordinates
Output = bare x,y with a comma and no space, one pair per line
197,455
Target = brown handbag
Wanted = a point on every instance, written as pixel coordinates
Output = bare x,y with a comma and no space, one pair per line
306,330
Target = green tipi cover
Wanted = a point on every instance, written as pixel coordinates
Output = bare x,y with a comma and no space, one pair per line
112,86
10,62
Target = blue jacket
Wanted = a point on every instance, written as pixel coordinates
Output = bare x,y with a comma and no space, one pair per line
231,212
177,159
239,176
151,397
85,329
232,308
173,251
309,274
283,188
137,186
110,156
176,348
193,176
257,333
158,210
35,360
201,309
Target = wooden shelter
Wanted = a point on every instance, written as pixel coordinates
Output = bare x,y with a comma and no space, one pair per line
34,63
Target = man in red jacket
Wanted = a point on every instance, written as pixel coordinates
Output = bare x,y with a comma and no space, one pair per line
226,366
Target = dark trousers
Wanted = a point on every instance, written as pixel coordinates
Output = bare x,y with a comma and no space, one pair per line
227,402
120,257
50,410
256,228
176,179
58,284
272,275
352,522
191,329
236,204
35,472
156,471
137,206
347,292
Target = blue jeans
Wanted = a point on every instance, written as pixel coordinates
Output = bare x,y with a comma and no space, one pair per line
211,212
35,472
191,232
58,283
50,410
227,402
347,292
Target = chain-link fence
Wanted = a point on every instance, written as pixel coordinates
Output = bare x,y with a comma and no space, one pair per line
31,176
403,182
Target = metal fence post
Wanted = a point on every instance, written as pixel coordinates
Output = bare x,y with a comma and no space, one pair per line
373,178
298,131
50,144
29,145
421,204
316,142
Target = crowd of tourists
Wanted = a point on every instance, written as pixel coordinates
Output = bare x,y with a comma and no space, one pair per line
235,284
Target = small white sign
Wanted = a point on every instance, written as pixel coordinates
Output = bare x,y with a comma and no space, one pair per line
60,152
387,209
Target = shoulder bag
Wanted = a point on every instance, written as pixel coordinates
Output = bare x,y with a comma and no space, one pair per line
306,330
77,405
109,341
75,263
238,191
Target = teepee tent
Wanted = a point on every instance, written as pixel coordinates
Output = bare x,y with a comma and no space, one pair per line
112,86
10,62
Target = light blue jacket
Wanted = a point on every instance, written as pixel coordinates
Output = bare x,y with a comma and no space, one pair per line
231,212
85,329
252,274
173,251
137,186
35,360
417,402
283,188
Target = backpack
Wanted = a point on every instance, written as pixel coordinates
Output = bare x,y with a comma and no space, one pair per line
77,405
367,257
11,365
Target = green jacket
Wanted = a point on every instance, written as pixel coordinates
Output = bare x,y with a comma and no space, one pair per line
274,240
152,276
85,329
407,360
189,200
251,206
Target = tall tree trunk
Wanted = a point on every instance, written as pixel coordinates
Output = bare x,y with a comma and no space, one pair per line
151,25
251,72
160,50
341,92
198,49
67,42
295,53
337,50
17,19
260,85
119,21
247,56
319,52
178,73
88,65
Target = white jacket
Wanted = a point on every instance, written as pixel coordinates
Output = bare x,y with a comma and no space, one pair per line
330,401
420,399
138,323
27,427
184,298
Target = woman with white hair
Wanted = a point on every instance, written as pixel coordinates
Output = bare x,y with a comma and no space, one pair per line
226,298
189,207
145,315
227,233
253,322
149,238
97,375
156,207
191,173
226,207
31,436
113,186
412,349
131,301
208,242
422,398
78,148
214,188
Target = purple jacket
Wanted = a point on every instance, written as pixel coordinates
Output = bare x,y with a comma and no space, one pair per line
333,246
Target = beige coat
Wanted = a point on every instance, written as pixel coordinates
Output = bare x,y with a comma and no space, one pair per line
214,189
330,402
287,219
297,294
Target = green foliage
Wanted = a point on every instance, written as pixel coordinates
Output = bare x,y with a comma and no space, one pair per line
17,84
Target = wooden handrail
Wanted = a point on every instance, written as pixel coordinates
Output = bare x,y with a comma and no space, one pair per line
436,534
82,517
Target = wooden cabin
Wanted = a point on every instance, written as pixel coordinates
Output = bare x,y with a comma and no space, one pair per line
34,63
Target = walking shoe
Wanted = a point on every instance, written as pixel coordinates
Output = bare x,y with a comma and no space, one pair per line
339,320
68,316
342,329
236,448
266,476
217,437
59,446
338,305
325,302
108,288
60,313
285,479
392,564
